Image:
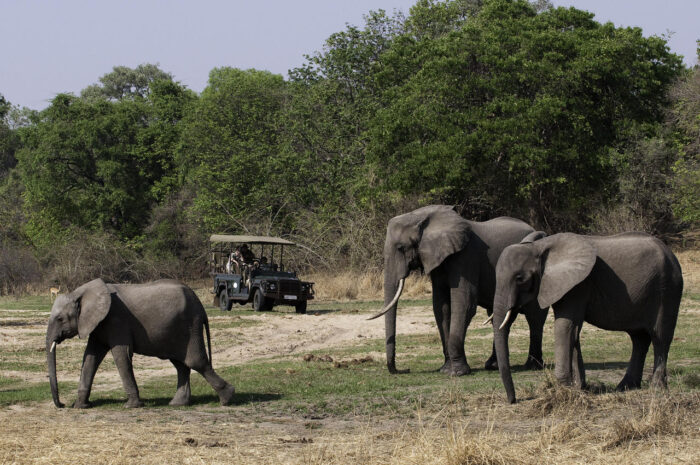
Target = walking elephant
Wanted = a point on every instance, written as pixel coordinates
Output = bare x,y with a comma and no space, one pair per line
460,257
628,282
164,319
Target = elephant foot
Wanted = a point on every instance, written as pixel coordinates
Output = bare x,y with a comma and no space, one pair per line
179,402
627,385
492,363
133,402
445,368
532,363
460,369
400,372
392,369
226,395
82,404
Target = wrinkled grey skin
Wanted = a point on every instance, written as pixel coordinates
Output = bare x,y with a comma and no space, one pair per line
628,282
164,319
460,257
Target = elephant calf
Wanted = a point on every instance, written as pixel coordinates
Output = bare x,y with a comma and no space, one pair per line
164,319
628,282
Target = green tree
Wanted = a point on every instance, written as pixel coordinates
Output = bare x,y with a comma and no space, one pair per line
229,146
126,83
79,169
333,98
685,123
518,108
165,107
9,141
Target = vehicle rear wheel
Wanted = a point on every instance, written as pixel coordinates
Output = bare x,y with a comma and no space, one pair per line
300,307
224,302
258,301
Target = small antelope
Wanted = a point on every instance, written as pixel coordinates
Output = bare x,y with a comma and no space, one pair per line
53,292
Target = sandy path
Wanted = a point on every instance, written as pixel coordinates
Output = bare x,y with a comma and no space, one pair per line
275,334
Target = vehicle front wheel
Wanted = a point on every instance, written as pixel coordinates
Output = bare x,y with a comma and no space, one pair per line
258,301
225,303
300,307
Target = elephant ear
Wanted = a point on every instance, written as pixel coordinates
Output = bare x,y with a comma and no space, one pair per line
533,236
566,260
444,232
94,300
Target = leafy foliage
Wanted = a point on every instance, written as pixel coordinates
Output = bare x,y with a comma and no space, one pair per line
499,106
521,105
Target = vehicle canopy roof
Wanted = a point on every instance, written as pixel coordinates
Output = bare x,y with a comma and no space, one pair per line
249,239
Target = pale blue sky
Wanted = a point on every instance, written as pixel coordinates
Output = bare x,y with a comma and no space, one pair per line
48,47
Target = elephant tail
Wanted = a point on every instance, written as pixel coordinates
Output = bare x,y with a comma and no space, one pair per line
206,328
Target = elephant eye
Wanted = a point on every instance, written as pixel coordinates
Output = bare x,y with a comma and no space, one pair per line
401,248
519,278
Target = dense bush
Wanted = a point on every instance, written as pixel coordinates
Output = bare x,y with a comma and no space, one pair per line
497,106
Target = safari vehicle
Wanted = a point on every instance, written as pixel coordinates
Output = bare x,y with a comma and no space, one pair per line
260,277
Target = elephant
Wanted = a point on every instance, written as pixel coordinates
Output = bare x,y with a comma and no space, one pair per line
164,319
628,282
460,257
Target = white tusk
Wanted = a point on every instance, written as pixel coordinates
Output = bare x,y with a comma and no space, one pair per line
393,301
487,321
53,346
505,320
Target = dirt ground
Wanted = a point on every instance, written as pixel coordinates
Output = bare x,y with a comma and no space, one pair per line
284,334
240,433
39,433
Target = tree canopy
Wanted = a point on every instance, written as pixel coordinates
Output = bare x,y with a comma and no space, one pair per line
498,106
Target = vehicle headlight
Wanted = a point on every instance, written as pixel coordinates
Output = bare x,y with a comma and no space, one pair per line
272,286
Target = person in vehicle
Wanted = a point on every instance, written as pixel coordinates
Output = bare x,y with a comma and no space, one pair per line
247,254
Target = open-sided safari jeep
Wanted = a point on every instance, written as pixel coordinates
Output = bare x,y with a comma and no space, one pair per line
241,276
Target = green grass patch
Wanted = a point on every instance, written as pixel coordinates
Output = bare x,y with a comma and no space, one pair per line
36,303
17,391
356,385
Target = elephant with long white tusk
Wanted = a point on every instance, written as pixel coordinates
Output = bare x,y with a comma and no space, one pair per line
460,257
629,282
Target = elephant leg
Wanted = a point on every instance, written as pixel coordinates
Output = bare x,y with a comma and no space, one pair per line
463,310
579,372
640,347
658,376
93,356
122,358
535,320
222,388
565,348
183,393
441,310
492,362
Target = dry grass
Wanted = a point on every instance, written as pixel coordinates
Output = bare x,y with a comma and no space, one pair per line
690,263
369,285
633,427
553,398
662,416
551,423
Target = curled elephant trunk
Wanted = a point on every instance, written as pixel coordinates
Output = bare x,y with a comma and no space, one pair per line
51,362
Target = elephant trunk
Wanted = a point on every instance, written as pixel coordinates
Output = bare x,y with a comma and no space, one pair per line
501,330
51,362
391,290
393,286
